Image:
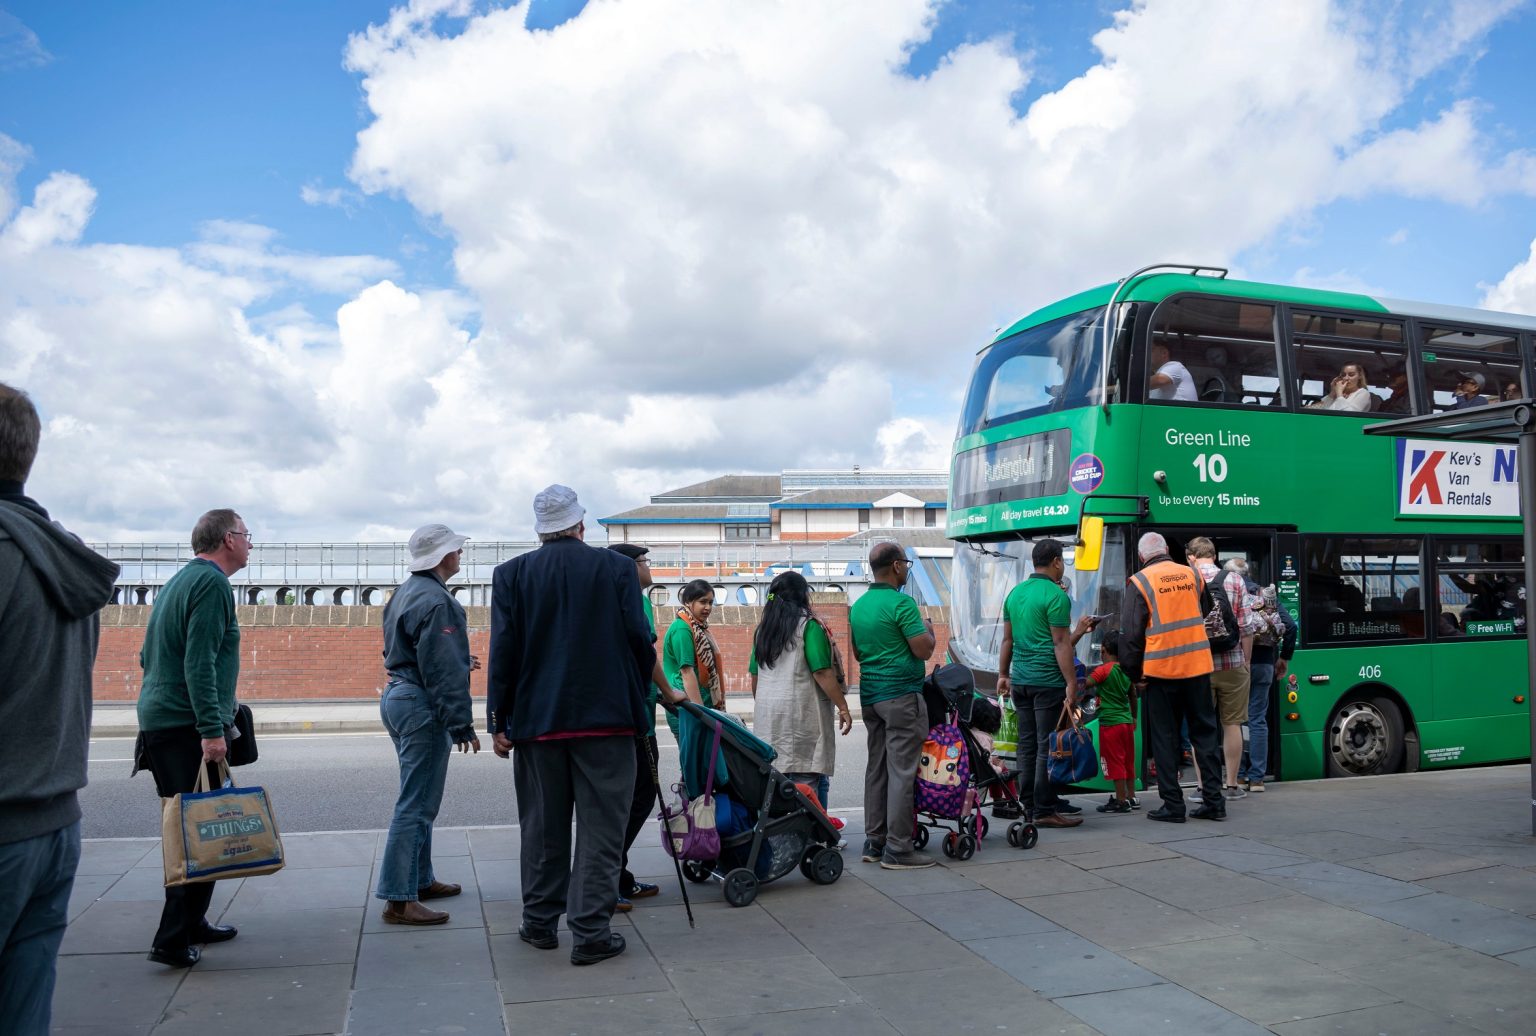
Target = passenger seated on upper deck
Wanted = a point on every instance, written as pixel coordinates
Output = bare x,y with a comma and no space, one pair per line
1469,390
1348,392
1170,379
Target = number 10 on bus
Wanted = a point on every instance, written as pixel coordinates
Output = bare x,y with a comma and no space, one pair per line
1212,467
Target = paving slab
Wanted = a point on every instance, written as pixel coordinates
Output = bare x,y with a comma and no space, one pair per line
1341,885
746,934
1418,864
1397,1019
113,927
850,1020
86,890
1237,853
988,1000
495,843
444,956
330,849
1321,933
280,939
1332,846
1042,877
1524,958
1057,964
465,1009
915,883
1156,1009
305,888
722,989
114,856
661,1013
528,974
1462,922
1189,884
879,949
976,914
111,989
260,1002
849,901
1121,919
1510,888
1258,982
1471,988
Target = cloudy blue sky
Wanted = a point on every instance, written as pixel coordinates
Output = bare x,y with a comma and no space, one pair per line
352,266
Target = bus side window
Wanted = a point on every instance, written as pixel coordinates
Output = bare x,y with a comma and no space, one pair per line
1214,350
1360,589
1480,589
1350,364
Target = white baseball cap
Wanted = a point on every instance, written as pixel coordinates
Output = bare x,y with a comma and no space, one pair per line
430,544
556,509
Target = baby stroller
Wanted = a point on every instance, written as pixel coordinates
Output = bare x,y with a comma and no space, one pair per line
955,773
767,826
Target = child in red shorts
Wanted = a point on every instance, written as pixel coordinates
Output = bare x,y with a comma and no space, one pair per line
1117,729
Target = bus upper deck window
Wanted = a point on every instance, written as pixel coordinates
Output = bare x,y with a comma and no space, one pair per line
1214,350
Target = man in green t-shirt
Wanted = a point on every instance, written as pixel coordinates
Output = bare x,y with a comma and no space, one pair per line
891,641
631,888
1037,666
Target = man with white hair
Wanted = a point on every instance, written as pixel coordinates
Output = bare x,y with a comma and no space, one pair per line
1163,649
427,711
571,655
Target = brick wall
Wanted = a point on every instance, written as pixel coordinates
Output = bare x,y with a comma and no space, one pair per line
300,653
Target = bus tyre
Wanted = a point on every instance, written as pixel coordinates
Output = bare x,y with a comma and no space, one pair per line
1364,737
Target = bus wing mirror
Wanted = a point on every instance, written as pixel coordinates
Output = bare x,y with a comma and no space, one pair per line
1090,544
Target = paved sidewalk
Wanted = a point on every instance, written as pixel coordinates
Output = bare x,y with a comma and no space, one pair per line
1400,905
121,719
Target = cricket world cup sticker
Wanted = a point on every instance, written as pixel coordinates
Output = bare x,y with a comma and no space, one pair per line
1086,473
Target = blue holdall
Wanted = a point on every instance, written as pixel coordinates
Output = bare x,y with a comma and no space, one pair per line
1071,756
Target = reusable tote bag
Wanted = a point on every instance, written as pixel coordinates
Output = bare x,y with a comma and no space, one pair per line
214,834
688,828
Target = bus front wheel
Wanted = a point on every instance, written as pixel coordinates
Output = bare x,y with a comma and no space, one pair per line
1364,737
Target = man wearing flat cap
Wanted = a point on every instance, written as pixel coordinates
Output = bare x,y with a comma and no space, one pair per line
570,657
427,711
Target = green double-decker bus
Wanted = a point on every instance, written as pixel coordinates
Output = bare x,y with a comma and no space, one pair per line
1181,401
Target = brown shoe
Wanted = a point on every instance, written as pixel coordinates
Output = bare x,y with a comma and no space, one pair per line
413,914
1056,820
439,890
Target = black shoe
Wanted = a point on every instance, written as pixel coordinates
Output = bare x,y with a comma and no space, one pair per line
1006,811
1066,809
592,952
177,958
1115,806
1209,812
1166,815
537,939
216,933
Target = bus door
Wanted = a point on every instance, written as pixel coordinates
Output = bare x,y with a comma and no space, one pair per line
1477,621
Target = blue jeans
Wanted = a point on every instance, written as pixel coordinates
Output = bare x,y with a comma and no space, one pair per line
820,783
1258,722
423,746
36,877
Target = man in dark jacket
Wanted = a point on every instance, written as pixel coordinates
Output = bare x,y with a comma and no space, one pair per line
191,663
51,589
426,709
570,657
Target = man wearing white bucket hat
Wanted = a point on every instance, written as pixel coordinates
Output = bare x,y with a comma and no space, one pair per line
426,709
571,655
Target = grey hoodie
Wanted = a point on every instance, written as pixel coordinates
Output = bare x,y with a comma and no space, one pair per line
51,589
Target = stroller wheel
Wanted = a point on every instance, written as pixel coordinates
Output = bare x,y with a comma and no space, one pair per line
1030,836
827,867
979,825
696,871
808,860
951,840
919,836
965,847
740,887
1016,834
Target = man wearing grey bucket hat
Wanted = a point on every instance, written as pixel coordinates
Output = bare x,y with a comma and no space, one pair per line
571,654
426,709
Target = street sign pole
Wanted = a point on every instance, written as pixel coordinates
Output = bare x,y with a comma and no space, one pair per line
1525,420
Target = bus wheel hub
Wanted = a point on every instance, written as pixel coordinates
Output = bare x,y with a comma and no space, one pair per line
1358,737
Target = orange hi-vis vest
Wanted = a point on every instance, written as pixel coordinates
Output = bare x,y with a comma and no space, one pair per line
1176,644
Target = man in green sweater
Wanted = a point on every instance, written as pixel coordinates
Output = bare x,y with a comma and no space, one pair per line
891,640
191,661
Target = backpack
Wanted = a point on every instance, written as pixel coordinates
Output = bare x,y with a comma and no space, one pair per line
1220,620
943,772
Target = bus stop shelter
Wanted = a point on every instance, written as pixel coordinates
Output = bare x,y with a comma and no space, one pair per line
1511,422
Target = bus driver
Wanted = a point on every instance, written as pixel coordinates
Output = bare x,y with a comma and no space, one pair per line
1170,378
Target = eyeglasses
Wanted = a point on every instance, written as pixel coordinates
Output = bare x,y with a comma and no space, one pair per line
247,535
642,561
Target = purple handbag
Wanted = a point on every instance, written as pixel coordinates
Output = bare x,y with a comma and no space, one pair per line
688,826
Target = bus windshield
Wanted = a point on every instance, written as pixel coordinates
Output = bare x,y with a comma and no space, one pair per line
981,581
1054,366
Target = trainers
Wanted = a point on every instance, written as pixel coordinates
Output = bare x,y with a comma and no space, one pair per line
1135,802
1234,792
873,851
909,861
1057,820
623,906
1115,806
1005,810
1255,787
1066,808
1193,795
